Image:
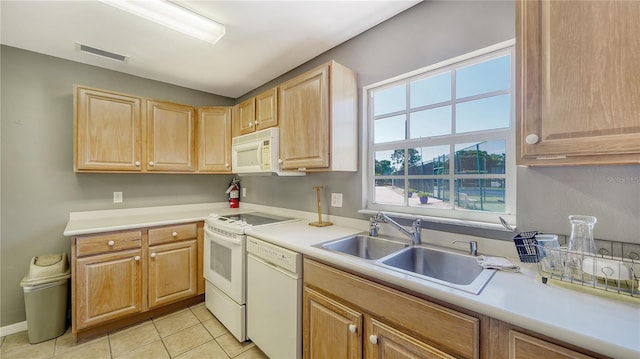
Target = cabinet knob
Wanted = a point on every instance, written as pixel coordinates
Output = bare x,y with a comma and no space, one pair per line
352,328
250,124
532,139
256,123
175,234
137,163
111,243
373,339
136,258
226,165
153,255
151,163
280,160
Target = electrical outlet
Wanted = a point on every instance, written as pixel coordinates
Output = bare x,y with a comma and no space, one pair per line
117,197
336,200
244,192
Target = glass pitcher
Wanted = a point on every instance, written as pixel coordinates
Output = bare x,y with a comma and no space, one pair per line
581,244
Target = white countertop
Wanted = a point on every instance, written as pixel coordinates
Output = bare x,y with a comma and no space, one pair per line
606,326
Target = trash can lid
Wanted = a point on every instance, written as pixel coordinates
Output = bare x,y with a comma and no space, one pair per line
46,268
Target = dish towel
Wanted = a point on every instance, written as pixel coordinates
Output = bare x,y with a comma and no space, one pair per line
498,263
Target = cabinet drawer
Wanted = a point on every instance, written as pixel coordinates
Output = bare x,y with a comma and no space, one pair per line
111,242
172,233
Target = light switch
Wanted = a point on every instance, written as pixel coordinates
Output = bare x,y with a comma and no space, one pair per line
117,197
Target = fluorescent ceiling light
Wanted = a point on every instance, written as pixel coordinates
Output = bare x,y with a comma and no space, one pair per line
173,16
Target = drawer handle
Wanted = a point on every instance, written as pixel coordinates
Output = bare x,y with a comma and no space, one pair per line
175,234
153,255
151,163
373,339
352,328
111,243
136,258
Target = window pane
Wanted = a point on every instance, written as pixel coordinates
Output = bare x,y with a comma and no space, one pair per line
433,160
486,194
389,100
484,114
390,191
389,163
482,157
390,129
431,90
492,75
429,123
433,193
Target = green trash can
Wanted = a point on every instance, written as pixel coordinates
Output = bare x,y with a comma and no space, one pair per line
45,296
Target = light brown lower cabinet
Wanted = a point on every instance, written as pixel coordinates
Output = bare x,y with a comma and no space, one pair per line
107,286
172,272
327,321
523,346
122,277
347,316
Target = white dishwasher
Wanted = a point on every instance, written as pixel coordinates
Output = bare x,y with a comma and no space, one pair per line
274,299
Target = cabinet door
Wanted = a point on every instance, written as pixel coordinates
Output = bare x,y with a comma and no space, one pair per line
303,112
522,346
385,342
247,116
172,272
214,139
170,137
330,329
107,286
577,102
107,131
266,109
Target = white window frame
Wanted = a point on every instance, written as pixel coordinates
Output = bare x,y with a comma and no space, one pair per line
452,215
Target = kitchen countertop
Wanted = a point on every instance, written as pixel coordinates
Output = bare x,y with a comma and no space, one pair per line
603,325
607,326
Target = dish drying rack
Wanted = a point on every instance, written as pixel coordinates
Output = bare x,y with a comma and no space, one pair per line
615,269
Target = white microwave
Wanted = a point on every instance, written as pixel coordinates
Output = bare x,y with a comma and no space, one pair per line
258,153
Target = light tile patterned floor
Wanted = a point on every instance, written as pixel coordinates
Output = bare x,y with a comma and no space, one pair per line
187,334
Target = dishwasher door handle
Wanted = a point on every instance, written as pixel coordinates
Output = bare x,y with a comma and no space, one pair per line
289,274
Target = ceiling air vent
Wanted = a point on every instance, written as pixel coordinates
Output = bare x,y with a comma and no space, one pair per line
102,53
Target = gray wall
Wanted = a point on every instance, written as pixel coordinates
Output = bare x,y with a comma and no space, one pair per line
39,187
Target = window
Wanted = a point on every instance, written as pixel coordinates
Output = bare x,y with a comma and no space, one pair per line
441,140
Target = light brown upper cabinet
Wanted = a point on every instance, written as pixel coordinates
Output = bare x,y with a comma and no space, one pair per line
578,97
115,132
246,114
170,137
317,112
259,112
214,139
108,131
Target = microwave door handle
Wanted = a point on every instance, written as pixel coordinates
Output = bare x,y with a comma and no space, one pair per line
260,154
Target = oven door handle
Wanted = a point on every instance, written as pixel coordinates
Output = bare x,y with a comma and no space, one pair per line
221,239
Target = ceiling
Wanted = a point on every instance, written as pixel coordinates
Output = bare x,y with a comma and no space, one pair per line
263,39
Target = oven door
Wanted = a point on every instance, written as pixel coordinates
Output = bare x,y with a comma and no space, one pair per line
224,263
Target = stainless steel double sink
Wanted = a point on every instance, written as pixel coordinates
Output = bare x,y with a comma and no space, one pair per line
448,268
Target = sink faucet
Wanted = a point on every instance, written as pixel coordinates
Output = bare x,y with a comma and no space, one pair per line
414,233
473,247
